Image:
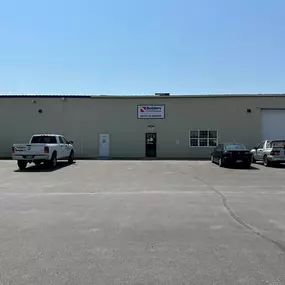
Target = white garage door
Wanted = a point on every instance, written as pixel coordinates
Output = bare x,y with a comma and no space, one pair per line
273,124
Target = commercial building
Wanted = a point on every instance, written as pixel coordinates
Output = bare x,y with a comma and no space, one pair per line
143,126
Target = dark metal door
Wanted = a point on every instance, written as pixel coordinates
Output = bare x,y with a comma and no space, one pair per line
150,144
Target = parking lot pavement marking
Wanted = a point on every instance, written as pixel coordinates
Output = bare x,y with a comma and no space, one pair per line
109,193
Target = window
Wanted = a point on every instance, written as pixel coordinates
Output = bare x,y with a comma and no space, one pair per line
203,138
218,148
60,139
64,140
44,139
194,138
268,144
277,144
235,147
260,145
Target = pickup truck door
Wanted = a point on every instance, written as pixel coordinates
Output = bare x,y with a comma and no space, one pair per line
67,147
259,151
62,148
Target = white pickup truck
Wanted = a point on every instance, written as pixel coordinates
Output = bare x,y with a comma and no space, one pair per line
43,148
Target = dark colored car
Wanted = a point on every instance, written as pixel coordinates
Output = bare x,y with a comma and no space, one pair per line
231,154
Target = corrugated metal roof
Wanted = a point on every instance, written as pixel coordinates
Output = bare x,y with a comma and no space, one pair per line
42,95
136,96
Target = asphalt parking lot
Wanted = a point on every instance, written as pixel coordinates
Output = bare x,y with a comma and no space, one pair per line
142,222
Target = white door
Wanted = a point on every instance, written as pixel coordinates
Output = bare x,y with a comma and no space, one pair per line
104,145
273,124
68,147
61,153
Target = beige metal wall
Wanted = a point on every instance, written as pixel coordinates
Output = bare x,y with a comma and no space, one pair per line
82,119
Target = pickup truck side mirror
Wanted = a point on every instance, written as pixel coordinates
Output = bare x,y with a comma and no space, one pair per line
71,142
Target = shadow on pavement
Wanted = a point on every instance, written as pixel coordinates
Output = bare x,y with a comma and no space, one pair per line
279,166
237,167
44,168
241,167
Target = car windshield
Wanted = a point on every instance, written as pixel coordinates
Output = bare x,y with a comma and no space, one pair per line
43,139
235,146
278,143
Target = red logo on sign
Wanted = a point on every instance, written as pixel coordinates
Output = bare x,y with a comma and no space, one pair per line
143,109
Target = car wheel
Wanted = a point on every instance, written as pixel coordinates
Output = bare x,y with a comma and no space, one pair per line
22,164
71,157
53,161
221,163
266,162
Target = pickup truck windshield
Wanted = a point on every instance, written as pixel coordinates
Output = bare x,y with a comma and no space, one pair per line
44,139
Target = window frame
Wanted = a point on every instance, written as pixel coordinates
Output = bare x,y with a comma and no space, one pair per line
39,141
231,144
261,145
198,139
218,147
268,144
65,141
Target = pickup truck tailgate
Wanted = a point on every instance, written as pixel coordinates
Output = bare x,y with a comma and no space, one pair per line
29,149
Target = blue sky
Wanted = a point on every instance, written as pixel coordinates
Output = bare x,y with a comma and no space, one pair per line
142,46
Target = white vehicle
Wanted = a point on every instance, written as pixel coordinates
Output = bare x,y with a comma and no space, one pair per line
43,148
270,152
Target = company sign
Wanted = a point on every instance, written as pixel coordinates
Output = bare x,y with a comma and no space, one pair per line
151,111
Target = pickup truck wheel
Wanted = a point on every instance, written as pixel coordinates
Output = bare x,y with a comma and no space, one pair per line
71,157
22,164
53,161
266,162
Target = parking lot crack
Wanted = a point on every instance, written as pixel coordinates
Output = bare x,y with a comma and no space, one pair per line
236,218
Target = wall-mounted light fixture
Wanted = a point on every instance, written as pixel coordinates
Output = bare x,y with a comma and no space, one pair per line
151,128
40,111
248,110
34,101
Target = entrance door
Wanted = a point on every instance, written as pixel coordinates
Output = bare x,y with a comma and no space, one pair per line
104,145
150,145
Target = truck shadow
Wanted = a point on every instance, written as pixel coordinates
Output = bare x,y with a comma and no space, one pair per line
45,168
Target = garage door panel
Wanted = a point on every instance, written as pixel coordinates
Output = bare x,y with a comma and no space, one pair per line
273,124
